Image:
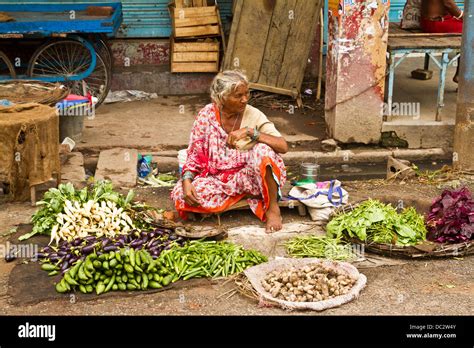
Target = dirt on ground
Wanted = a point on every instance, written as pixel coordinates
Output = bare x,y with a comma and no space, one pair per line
426,287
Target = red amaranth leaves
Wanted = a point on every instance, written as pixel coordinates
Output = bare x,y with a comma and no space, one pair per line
451,217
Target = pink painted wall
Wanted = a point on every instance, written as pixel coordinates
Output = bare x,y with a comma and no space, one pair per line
141,51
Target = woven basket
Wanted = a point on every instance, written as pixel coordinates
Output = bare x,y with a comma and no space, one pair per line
423,250
31,91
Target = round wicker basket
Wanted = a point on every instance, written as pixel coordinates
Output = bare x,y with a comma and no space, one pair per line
31,91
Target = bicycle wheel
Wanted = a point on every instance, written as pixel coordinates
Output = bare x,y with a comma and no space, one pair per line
6,67
102,47
69,58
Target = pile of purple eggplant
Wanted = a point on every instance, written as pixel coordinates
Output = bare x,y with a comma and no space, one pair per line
67,253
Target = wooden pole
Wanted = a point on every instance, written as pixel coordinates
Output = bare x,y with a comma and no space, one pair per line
321,45
463,156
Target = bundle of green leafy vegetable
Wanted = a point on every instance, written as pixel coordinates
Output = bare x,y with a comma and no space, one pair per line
374,221
54,200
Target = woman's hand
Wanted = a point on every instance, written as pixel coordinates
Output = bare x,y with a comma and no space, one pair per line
189,193
235,136
278,144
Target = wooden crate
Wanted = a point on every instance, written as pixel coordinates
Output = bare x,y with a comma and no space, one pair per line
194,56
190,3
194,21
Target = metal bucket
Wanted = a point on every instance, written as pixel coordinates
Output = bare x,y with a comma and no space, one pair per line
71,127
71,118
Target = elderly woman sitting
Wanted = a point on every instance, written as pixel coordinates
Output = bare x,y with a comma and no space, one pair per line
232,155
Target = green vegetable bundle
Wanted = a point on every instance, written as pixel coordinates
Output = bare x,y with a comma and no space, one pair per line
55,199
374,221
162,180
320,247
209,259
125,269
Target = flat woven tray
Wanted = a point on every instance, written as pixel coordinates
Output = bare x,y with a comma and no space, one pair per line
423,250
426,249
31,91
199,232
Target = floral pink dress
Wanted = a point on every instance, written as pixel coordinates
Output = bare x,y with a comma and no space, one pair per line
224,176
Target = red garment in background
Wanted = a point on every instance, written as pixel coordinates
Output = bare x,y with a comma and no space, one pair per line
449,24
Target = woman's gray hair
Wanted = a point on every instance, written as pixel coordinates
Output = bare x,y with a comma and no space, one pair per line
225,83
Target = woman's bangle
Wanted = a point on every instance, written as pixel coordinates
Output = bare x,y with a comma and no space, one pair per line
188,175
249,132
460,16
256,134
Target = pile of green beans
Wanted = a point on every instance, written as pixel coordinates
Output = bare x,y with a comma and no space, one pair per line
211,259
320,247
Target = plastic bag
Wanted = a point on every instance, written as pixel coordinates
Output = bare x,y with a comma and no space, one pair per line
320,198
144,167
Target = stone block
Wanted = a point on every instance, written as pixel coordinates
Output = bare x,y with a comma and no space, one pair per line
118,165
72,169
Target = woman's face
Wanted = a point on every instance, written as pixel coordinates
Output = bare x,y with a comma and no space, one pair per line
237,100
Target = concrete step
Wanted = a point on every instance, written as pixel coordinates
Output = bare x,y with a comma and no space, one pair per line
355,160
343,164
363,156
423,134
167,160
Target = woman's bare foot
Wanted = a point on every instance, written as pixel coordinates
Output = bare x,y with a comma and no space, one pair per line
274,220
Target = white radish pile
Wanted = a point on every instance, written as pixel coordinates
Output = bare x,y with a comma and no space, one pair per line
90,218
311,283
